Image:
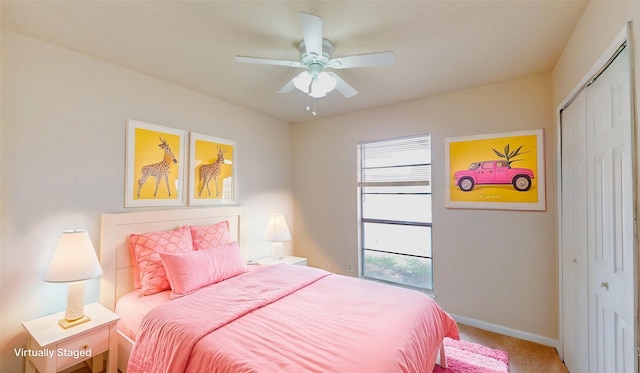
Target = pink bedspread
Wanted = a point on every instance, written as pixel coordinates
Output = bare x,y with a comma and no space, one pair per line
287,318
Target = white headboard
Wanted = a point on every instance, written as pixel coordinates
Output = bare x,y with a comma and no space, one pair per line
115,257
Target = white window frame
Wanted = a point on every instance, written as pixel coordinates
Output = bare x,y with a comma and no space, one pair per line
362,221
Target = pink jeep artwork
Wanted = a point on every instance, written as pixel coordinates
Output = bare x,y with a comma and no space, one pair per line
493,172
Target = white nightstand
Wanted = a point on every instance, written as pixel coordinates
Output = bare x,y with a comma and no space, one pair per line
51,348
286,259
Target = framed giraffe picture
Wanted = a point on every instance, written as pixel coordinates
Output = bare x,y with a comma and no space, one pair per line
155,165
212,162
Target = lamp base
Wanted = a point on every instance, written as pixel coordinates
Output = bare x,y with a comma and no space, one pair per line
66,324
74,314
277,250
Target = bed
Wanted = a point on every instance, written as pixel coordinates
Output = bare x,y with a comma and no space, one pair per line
262,319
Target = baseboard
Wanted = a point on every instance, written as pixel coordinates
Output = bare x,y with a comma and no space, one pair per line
515,333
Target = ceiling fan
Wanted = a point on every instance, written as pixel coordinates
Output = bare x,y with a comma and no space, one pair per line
315,58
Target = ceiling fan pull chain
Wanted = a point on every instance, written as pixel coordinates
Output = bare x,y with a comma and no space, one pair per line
313,112
313,102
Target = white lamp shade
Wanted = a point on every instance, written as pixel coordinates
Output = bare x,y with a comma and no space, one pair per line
74,259
277,229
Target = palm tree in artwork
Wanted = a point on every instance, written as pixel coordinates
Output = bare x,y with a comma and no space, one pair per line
509,154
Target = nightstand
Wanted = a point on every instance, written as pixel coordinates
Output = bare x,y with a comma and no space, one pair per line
51,348
286,259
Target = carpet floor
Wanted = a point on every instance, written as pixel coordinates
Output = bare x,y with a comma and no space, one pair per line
524,356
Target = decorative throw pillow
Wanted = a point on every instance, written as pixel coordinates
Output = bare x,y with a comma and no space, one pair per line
190,271
147,248
208,236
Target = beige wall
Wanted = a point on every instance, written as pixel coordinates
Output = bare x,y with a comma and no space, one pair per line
63,158
508,278
601,22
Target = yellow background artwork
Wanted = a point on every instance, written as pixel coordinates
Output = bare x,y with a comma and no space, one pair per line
147,151
206,152
463,153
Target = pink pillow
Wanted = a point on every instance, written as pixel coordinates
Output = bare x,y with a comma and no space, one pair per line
190,271
134,264
208,236
147,248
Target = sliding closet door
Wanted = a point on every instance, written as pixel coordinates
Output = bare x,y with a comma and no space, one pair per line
575,341
610,219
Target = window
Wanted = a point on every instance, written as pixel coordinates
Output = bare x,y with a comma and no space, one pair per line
394,187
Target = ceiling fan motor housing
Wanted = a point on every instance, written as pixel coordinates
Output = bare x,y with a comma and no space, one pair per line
313,63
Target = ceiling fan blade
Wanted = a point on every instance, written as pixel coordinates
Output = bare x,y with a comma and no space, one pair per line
312,34
343,87
268,61
287,87
363,60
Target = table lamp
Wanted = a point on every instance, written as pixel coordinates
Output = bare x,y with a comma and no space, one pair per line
277,231
74,261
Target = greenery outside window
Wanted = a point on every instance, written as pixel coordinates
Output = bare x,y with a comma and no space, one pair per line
394,188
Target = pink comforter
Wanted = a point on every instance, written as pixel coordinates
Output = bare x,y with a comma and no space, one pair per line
287,318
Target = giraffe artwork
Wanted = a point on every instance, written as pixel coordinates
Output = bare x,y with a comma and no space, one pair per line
155,165
159,170
210,172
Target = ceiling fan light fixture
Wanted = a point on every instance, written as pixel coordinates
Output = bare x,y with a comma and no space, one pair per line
302,81
323,83
315,87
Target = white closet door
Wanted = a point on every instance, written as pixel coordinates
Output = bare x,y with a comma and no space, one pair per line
575,341
610,220
597,225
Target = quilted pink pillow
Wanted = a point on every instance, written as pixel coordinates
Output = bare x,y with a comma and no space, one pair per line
189,271
147,248
208,236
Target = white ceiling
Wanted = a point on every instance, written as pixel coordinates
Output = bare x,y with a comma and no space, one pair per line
440,46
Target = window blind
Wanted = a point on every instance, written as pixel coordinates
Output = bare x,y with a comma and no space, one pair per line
399,162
